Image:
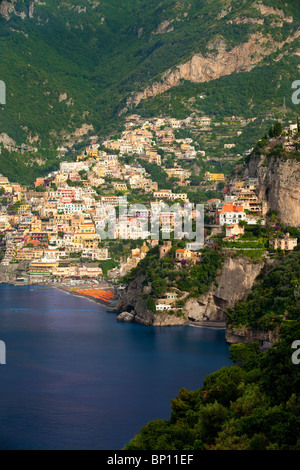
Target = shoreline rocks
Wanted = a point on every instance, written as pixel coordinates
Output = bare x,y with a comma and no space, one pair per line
249,335
126,317
208,311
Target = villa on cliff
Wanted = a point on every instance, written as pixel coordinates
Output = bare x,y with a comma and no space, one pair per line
285,243
230,214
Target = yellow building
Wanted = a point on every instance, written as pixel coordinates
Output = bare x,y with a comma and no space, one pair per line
40,268
234,230
4,225
92,152
90,242
76,221
239,185
28,254
120,186
36,225
183,254
24,208
214,176
63,217
101,171
286,243
87,227
64,271
87,236
16,197
4,183
60,178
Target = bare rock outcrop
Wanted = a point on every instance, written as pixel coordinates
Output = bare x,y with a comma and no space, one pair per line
274,12
126,317
200,68
6,140
134,307
6,8
164,27
249,335
278,186
233,284
132,302
9,274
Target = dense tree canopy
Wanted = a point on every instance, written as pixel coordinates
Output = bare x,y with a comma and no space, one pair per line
253,405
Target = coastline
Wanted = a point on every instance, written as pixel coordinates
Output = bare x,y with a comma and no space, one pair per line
111,303
73,290
233,335
75,353
214,325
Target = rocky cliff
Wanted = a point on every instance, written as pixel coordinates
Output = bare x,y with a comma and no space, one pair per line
279,185
248,335
233,284
215,64
10,274
134,308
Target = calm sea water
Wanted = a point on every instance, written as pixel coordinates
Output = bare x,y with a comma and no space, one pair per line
77,379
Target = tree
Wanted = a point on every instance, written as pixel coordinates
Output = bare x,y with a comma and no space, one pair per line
281,378
83,174
238,408
271,132
277,129
40,189
240,352
151,304
158,287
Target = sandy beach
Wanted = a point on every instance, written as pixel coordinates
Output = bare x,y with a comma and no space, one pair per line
104,295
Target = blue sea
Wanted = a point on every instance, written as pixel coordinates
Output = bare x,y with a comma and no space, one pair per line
75,378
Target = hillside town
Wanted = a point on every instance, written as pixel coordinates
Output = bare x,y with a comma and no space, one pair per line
58,228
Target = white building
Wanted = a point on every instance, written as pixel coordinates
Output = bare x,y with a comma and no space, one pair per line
66,167
162,307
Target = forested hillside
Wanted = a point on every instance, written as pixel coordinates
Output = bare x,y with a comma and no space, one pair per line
252,405
66,64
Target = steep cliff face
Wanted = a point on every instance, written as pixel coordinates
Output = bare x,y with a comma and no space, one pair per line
233,284
9,274
279,186
219,63
133,303
249,335
6,8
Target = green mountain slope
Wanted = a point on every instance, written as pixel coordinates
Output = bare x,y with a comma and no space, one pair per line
71,63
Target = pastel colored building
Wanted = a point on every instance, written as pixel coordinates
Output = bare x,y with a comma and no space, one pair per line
230,214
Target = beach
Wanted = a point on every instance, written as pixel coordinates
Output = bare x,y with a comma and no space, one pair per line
105,295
